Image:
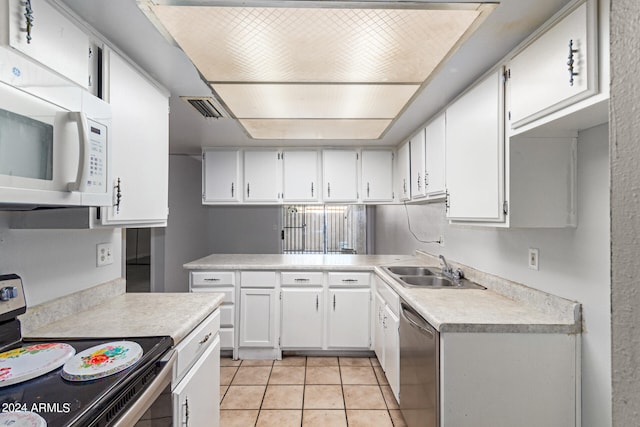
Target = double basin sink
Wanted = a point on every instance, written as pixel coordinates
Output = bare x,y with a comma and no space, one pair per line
430,278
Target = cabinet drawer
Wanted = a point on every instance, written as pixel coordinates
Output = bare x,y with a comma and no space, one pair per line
190,348
227,315
258,279
229,293
214,278
349,279
389,296
301,279
226,338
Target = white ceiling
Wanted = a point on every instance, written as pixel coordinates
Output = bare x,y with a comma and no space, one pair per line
124,24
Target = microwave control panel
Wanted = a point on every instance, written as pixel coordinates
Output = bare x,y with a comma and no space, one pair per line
97,157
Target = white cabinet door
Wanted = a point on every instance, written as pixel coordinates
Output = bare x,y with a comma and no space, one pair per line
140,142
540,80
378,328
221,176
340,175
302,310
418,170
257,318
435,136
55,41
392,350
349,318
300,172
404,172
196,397
262,176
377,176
475,153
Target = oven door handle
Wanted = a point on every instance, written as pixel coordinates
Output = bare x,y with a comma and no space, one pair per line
160,382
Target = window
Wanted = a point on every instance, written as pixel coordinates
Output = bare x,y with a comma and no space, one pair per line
324,229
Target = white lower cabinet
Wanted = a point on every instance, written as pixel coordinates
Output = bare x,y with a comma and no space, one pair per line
509,379
257,317
196,398
302,315
378,328
348,318
386,331
195,387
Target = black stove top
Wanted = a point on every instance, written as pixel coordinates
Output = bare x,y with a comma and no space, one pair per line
88,403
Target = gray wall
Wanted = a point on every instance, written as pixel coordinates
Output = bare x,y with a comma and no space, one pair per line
574,263
194,231
54,263
625,206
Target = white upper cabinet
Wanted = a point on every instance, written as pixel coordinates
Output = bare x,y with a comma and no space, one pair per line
377,175
300,176
140,142
403,162
475,153
418,169
261,176
557,69
340,175
435,137
47,36
220,176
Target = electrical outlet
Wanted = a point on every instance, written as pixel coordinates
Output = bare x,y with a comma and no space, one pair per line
104,254
534,255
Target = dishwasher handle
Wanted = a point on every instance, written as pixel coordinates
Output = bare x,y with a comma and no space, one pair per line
415,320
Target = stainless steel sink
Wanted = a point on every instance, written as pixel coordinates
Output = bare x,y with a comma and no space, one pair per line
428,278
410,271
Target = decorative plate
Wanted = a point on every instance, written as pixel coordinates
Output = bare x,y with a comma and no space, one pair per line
22,419
102,360
25,363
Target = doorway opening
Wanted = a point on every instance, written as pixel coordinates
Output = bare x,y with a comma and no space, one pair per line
138,266
324,229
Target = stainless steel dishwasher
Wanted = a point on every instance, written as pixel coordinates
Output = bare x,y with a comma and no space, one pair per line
419,370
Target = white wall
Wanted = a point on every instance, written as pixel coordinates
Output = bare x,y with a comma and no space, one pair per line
574,263
54,263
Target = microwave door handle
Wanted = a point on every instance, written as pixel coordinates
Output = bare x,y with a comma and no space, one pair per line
83,139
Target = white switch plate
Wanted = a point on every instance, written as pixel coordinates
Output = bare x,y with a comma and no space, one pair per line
534,260
104,254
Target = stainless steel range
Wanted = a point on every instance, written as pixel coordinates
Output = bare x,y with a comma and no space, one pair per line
115,399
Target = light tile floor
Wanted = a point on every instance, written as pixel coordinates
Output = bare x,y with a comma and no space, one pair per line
306,391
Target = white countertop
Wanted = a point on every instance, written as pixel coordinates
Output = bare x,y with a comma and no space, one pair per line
504,307
135,315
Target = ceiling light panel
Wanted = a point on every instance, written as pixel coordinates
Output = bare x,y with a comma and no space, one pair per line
244,44
314,129
349,101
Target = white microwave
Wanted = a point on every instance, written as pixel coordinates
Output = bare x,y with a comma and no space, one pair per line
50,155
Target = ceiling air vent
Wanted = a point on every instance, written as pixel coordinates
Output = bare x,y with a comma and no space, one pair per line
205,106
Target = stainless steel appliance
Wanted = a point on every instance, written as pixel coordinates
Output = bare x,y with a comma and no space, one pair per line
419,369
116,400
54,139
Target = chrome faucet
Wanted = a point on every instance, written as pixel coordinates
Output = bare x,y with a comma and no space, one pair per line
448,271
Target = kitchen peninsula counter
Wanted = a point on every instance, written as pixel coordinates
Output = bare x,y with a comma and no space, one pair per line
504,307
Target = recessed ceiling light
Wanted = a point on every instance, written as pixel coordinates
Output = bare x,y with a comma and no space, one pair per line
316,70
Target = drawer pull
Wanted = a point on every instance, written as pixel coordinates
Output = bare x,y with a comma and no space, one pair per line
212,280
349,280
206,338
301,280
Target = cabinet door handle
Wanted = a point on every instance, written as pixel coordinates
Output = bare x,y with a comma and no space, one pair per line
232,189
426,179
205,339
317,302
186,412
404,185
419,182
28,14
334,302
367,189
312,189
248,190
384,322
118,189
328,189
570,62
